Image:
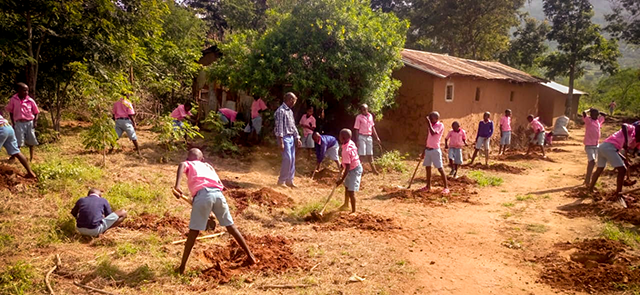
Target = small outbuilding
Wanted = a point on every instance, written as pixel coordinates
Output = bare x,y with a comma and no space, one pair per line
553,99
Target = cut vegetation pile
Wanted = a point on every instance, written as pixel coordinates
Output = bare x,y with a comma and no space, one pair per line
593,266
262,197
361,220
498,167
9,178
603,204
162,224
274,255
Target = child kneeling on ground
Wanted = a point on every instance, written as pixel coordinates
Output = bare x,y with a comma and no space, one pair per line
94,216
206,188
352,170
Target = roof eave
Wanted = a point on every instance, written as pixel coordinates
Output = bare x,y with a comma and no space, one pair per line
422,69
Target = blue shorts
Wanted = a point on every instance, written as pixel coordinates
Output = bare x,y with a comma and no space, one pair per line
482,143
8,140
177,125
25,133
455,154
365,145
209,200
125,125
223,118
105,224
256,124
592,152
505,138
607,152
352,181
432,157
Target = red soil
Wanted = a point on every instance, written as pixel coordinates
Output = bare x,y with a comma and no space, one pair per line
361,220
604,204
498,167
262,197
162,224
10,178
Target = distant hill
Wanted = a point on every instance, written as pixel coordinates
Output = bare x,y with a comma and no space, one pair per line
630,54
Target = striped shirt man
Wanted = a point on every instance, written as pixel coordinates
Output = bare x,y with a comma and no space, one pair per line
285,123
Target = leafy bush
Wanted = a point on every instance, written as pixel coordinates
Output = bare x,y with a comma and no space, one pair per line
391,161
101,135
485,180
223,136
173,138
17,279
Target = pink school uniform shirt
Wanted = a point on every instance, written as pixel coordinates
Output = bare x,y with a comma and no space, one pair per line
123,109
3,120
592,130
456,139
229,113
364,124
433,140
180,113
201,175
350,155
536,125
22,109
505,123
304,122
617,139
256,107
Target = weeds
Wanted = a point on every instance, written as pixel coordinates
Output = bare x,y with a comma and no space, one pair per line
145,197
392,161
57,230
512,244
508,204
57,174
537,228
484,180
523,198
126,249
613,231
17,279
301,212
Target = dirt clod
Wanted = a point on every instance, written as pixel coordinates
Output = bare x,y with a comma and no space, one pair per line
162,224
262,197
274,255
593,266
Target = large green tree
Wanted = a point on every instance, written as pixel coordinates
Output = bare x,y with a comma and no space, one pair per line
624,20
579,41
326,50
528,45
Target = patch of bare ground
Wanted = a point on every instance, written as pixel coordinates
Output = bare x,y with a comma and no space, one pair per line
360,220
265,196
163,225
602,204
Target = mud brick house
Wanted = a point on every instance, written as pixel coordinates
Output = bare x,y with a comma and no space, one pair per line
460,89
553,98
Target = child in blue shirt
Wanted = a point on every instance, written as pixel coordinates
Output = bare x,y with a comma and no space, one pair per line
94,216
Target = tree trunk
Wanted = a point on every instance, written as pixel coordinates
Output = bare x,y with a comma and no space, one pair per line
569,112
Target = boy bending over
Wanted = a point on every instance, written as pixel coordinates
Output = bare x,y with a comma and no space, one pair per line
352,170
326,146
94,216
206,188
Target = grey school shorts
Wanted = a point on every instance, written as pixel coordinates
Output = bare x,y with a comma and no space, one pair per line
432,157
25,133
482,143
209,200
256,124
105,224
307,142
125,125
455,154
592,152
607,152
505,138
365,145
352,181
332,153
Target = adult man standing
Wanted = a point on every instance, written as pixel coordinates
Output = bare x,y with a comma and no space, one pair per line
24,117
287,135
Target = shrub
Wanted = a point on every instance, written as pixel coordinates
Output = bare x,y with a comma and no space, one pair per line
223,135
392,162
101,135
17,279
58,174
172,138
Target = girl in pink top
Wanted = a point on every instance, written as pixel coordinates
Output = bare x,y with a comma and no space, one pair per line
505,131
592,125
365,135
352,172
455,140
538,135
206,188
432,154
308,124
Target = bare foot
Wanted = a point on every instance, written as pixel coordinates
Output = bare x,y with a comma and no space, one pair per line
30,175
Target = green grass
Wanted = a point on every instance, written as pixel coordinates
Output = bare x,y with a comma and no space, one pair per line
126,249
135,278
613,231
56,230
508,204
523,198
18,279
537,228
306,209
484,180
56,174
140,197
391,161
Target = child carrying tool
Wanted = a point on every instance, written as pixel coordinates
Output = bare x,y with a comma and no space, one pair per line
352,170
483,138
432,154
592,125
458,139
505,131
206,188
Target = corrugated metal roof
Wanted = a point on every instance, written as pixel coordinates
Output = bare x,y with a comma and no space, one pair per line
561,88
443,66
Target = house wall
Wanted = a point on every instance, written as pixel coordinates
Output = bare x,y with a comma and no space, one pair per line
405,121
495,97
552,104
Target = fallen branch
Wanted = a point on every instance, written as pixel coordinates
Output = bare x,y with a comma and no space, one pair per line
46,278
314,267
198,238
93,289
286,286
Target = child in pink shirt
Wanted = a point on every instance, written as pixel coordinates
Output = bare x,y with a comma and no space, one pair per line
352,170
432,154
458,139
255,124
124,115
308,124
181,112
538,134
206,188
365,134
505,131
23,113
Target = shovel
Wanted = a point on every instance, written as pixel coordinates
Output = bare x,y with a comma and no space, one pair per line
211,222
319,215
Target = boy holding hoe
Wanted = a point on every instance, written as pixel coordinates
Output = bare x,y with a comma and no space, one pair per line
458,139
326,146
352,170
9,142
432,154
483,138
592,125
206,188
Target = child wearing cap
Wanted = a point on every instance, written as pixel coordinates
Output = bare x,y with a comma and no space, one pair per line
505,131
206,188
483,138
457,138
352,170
592,125
538,134
432,154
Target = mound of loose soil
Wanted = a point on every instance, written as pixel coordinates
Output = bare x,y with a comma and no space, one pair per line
604,204
498,167
361,220
10,179
274,255
262,197
593,266
458,193
327,176
163,224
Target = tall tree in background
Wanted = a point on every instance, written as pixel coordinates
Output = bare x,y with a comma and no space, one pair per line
477,29
528,45
624,21
579,41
